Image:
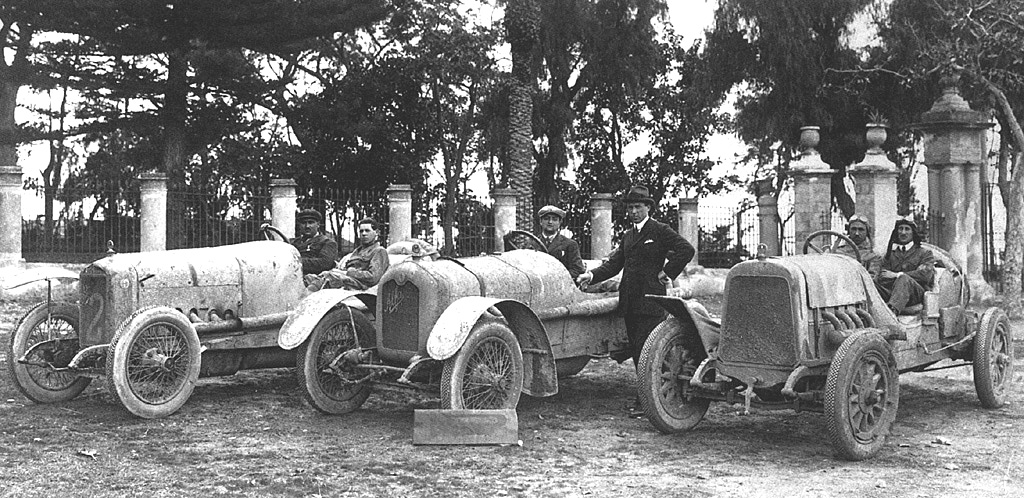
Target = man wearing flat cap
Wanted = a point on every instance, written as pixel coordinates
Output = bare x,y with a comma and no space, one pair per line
650,255
318,250
564,249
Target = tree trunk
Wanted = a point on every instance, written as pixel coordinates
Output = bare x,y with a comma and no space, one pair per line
1014,216
175,113
522,28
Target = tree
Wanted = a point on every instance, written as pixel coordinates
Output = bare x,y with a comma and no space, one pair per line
979,40
794,71
522,30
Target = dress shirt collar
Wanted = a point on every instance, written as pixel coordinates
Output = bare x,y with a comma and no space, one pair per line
640,226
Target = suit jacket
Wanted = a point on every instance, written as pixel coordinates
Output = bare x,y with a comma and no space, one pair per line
918,263
640,257
318,252
567,251
872,262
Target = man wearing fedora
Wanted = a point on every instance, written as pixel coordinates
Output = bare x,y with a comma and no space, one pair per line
318,250
650,256
564,249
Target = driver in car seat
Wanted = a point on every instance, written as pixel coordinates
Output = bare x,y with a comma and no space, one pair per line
360,269
859,231
907,268
561,247
317,249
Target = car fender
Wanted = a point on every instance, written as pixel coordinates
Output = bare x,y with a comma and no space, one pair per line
312,309
693,313
446,338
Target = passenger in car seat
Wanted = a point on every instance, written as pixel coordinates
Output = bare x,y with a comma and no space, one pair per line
564,249
908,269
859,231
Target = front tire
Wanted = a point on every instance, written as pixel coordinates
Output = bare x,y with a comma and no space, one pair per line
993,358
487,373
153,362
667,361
861,396
41,384
333,391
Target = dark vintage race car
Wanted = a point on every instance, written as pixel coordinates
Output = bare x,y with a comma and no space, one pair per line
810,332
480,331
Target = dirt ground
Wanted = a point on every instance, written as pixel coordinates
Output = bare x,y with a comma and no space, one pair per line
253,435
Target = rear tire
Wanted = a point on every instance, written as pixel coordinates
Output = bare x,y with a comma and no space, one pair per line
153,362
668,354
333,392
861,396
993,358
46,321
487,372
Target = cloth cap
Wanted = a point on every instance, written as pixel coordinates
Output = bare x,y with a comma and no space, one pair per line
549,209
310,214
638,194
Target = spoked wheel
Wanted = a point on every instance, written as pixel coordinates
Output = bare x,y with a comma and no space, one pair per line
861,396
37,379
270,232
334,387
810,245
667,362
519,239
993,358
487,373
153,362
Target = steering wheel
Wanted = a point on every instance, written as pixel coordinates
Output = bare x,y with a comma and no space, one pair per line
821,233
268,232
519,239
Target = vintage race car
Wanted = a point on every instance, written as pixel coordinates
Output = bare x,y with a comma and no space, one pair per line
150,324
810,332
480,331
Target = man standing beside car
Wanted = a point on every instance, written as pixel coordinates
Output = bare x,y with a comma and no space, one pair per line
358,270
564,249
318,250
641,257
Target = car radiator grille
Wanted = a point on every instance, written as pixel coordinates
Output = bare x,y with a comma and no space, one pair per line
400,316
758,326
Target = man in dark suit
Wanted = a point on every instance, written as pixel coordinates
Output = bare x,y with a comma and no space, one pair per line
907,268
642,259
318,250
561,247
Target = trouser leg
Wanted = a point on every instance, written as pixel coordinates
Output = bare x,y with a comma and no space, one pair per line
638,327
905,292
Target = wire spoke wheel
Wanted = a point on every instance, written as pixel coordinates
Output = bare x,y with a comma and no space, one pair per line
153,362
667,362
334,386
39,378
487,373
861,395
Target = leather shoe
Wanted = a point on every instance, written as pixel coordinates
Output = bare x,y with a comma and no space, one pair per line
620,356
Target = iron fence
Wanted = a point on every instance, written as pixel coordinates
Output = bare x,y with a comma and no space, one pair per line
84,226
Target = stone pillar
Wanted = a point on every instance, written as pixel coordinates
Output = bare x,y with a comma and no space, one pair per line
504,216
600,225
954,150
688,226
767,218
153,200
10,215
283,205
875,179
812,188
399,213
